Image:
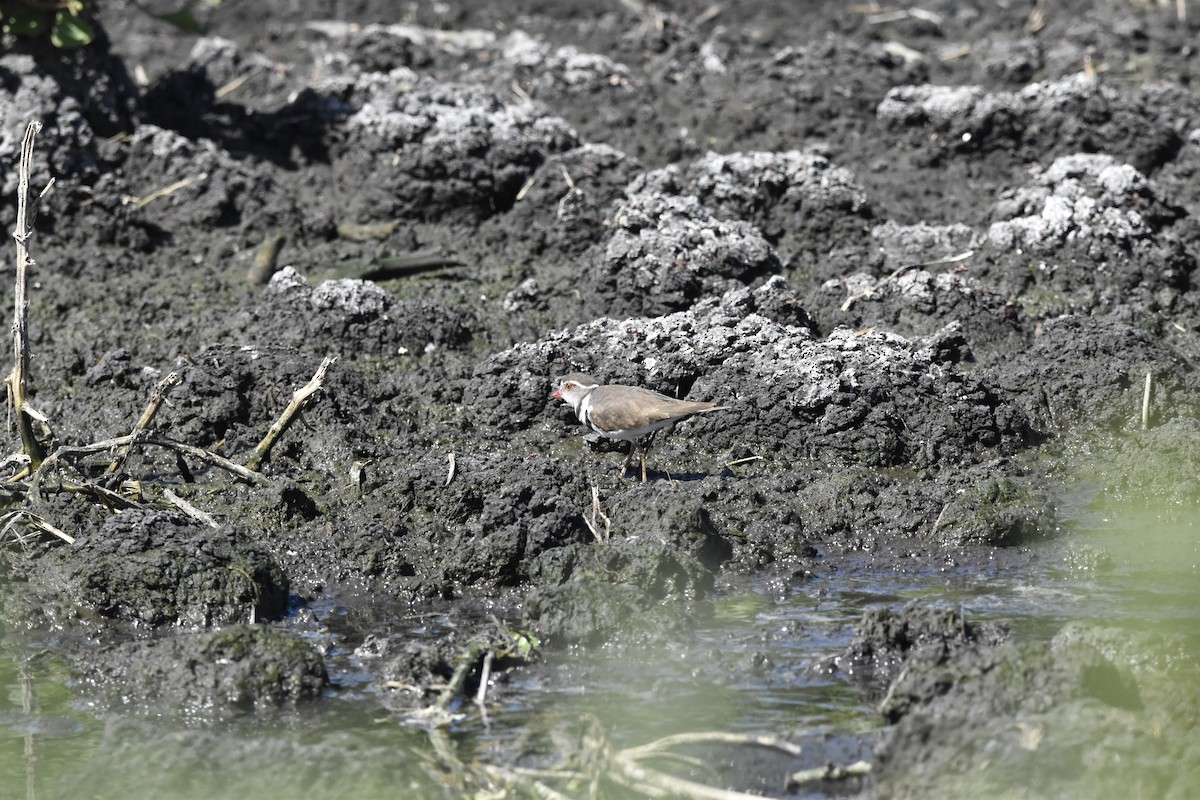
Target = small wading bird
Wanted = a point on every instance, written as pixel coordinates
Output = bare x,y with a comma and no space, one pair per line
628,413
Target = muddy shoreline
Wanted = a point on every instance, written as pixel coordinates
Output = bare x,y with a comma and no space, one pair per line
929,260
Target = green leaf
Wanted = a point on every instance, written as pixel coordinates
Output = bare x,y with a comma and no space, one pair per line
182,19
71,31
526,643
21,20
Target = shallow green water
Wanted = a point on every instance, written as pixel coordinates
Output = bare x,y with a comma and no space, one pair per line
749,668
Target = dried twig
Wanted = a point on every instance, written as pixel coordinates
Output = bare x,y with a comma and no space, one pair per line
189,509
830,772
1037,18
567,177
1146,403
898,271
639,777
156,399
598,760
737,462
885,17
105,496
34,520
629,770
523,778
236,83
390,267
266,259
36,476
720,737
142,202
80,450
245,473
466,664
366,232
524,190
16,379
128,440
597,512
439,714
485,675
358,476
300,397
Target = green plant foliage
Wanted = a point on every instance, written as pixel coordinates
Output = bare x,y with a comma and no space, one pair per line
21,20
524,644
68,23
182,19
71,30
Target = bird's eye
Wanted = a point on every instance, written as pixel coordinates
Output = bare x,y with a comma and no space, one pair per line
568,386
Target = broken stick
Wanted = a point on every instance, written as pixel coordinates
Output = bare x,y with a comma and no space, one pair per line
156,400
299,398
16,379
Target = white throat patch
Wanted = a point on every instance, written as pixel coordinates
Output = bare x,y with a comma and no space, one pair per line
585,409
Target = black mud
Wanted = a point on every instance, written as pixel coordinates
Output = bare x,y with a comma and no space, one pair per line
926,260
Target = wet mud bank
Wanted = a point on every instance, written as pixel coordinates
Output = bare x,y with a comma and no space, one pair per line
937,266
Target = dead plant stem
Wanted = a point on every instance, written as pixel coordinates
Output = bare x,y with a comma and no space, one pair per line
17,378
300,397
128,440
156,400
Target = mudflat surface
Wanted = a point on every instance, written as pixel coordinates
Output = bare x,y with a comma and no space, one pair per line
938,262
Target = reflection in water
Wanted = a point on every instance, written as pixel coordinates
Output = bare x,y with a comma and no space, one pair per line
751,667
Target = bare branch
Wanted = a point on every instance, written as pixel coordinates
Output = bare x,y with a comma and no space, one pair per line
156,400
250,476
245,473
17,378
299,398
189,509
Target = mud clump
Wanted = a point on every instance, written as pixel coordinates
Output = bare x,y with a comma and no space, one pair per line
237,669
911,302
455,151
641,577
352,310
886,639
789,392
1058,714
1096,367
666,252
808,208
1052,117
153,569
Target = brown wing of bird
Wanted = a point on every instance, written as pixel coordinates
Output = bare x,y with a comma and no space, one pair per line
631,407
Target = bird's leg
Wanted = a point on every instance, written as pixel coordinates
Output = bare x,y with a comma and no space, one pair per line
644,449
633,447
